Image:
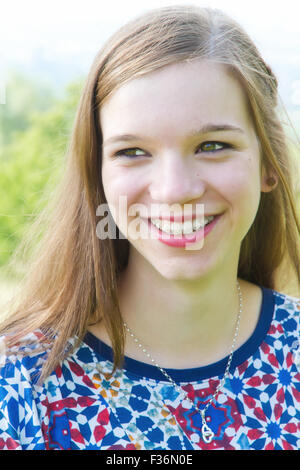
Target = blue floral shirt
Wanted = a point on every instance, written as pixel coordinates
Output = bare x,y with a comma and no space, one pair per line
79,406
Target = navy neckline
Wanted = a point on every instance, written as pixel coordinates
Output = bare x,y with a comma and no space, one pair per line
244,352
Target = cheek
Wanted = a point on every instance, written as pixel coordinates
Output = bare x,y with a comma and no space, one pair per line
121,188
116,183
242,191
240,180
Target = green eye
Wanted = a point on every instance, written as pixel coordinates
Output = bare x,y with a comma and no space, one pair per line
132,152
213,146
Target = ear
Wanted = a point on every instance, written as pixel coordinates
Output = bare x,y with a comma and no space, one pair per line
268,181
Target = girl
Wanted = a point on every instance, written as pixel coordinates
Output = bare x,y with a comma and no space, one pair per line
167,333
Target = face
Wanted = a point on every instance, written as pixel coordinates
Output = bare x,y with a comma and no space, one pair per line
181,136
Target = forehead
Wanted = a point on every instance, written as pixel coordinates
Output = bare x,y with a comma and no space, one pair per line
177,96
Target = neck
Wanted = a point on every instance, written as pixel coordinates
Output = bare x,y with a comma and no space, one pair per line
186,323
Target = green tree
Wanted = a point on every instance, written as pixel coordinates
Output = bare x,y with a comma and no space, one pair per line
31,163
24,96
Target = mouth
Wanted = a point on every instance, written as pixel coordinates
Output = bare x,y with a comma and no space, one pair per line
187,227
180,235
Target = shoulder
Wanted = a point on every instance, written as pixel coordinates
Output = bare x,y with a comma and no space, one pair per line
287,317
23,360
20,369
284,333
287,310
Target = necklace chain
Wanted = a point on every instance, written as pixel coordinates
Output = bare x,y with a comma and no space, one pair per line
207,433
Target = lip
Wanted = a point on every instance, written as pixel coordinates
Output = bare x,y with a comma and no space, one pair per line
171,240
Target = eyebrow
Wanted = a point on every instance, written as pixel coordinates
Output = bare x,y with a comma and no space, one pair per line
203,130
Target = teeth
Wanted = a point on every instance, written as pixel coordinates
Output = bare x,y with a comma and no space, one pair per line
178,228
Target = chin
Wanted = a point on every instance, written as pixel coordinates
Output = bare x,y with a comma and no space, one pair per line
178,272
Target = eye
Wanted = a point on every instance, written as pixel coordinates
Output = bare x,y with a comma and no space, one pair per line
130,153
205,147
213,146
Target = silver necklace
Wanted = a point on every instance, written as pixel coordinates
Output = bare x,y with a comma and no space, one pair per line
207,433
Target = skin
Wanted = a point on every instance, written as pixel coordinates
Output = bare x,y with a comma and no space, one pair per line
182,304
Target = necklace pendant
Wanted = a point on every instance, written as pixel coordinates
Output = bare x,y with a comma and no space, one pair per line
207,434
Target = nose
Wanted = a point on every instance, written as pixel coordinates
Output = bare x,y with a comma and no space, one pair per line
176,180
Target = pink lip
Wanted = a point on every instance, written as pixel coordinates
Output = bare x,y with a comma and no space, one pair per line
170,240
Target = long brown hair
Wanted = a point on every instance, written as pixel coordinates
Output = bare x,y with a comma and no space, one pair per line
73,276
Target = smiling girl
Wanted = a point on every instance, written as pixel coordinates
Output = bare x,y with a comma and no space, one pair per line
176,340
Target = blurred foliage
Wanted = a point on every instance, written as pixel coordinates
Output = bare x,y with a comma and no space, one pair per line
24,96
34,131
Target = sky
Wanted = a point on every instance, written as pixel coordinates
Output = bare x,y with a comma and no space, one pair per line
57,40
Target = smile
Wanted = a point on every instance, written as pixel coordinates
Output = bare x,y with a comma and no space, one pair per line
176,234
178,228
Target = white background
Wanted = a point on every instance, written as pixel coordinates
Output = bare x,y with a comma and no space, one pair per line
56,40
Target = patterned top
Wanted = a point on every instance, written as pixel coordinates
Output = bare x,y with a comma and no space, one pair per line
79,408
